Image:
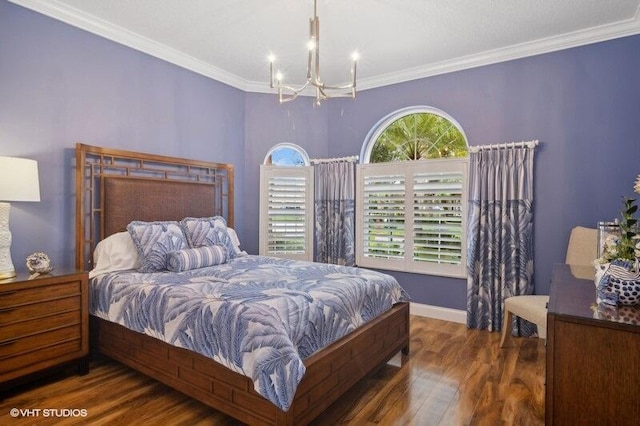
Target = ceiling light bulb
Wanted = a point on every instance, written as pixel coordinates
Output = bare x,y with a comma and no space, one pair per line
272,58
355,56
279,76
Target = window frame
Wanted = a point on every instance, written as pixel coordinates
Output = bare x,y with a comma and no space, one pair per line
381,126
286,145
292,171
409,169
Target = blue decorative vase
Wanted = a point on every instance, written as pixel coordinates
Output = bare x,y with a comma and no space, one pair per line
618,283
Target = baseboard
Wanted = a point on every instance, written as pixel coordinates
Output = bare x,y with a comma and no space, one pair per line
438,312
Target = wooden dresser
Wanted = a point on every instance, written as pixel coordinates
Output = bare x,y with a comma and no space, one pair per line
44,322
593,355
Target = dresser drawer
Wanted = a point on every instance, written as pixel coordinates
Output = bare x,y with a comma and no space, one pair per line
12,298
21,346
35,326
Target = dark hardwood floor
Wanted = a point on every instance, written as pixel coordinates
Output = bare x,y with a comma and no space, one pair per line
452,376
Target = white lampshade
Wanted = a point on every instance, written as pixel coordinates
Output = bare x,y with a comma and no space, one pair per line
19,179
18,182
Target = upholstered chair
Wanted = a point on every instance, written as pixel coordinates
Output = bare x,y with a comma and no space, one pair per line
581,250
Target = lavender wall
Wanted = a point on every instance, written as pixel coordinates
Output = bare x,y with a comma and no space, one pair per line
269,123
60,85
582,104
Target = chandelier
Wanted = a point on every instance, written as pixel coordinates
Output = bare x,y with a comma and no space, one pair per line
288,93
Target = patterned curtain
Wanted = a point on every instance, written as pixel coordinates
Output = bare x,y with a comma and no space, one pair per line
335,212
500,233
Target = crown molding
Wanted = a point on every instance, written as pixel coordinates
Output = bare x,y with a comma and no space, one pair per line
90,23
537,47
79,19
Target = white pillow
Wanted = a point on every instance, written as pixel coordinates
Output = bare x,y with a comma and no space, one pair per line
235,241
117,252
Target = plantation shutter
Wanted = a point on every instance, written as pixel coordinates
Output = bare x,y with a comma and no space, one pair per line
384,216
286,212
437,220
412,216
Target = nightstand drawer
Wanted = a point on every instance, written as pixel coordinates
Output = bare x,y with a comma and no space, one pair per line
15,347
36,326
37,310
11,298
38,358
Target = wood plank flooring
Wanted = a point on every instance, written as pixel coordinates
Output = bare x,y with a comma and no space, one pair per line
452,376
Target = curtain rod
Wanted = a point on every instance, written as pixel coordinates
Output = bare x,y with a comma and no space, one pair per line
352,158
522,144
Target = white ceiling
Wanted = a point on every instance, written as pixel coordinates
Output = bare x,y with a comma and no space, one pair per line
398,40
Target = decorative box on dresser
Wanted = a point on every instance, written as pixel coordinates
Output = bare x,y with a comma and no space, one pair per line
593,354
44,322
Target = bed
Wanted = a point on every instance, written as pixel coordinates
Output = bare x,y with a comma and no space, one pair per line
116,188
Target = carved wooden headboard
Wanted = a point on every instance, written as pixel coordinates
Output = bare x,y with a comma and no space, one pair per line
115,187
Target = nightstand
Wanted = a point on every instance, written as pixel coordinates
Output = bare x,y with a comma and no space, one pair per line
44,322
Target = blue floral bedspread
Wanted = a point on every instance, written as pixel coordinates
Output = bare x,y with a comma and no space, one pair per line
258,316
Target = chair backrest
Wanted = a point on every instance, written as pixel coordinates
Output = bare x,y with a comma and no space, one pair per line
583,246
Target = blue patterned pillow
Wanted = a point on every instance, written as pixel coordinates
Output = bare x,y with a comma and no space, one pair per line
208,231
154,241
187,259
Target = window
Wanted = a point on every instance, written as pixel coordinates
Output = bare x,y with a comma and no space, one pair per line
412,194
286,203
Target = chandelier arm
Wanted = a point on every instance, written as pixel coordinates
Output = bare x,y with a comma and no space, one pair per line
291,92
339,95
282,99
311,41
345,87
316,77
293,89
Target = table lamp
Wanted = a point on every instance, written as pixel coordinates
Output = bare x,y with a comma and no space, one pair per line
18,182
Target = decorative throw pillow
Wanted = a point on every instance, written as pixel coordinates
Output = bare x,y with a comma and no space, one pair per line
208,231
154,240
194,258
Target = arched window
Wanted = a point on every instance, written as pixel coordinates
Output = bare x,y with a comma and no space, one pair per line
415,133
286,203
286,154
412,194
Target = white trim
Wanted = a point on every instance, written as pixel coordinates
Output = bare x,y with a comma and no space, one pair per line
438,312
92,24
72,16
578,38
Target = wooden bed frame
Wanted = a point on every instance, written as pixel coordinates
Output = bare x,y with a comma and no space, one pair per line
114,187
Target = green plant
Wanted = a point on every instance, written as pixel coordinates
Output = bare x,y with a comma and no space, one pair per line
623,245
628,230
